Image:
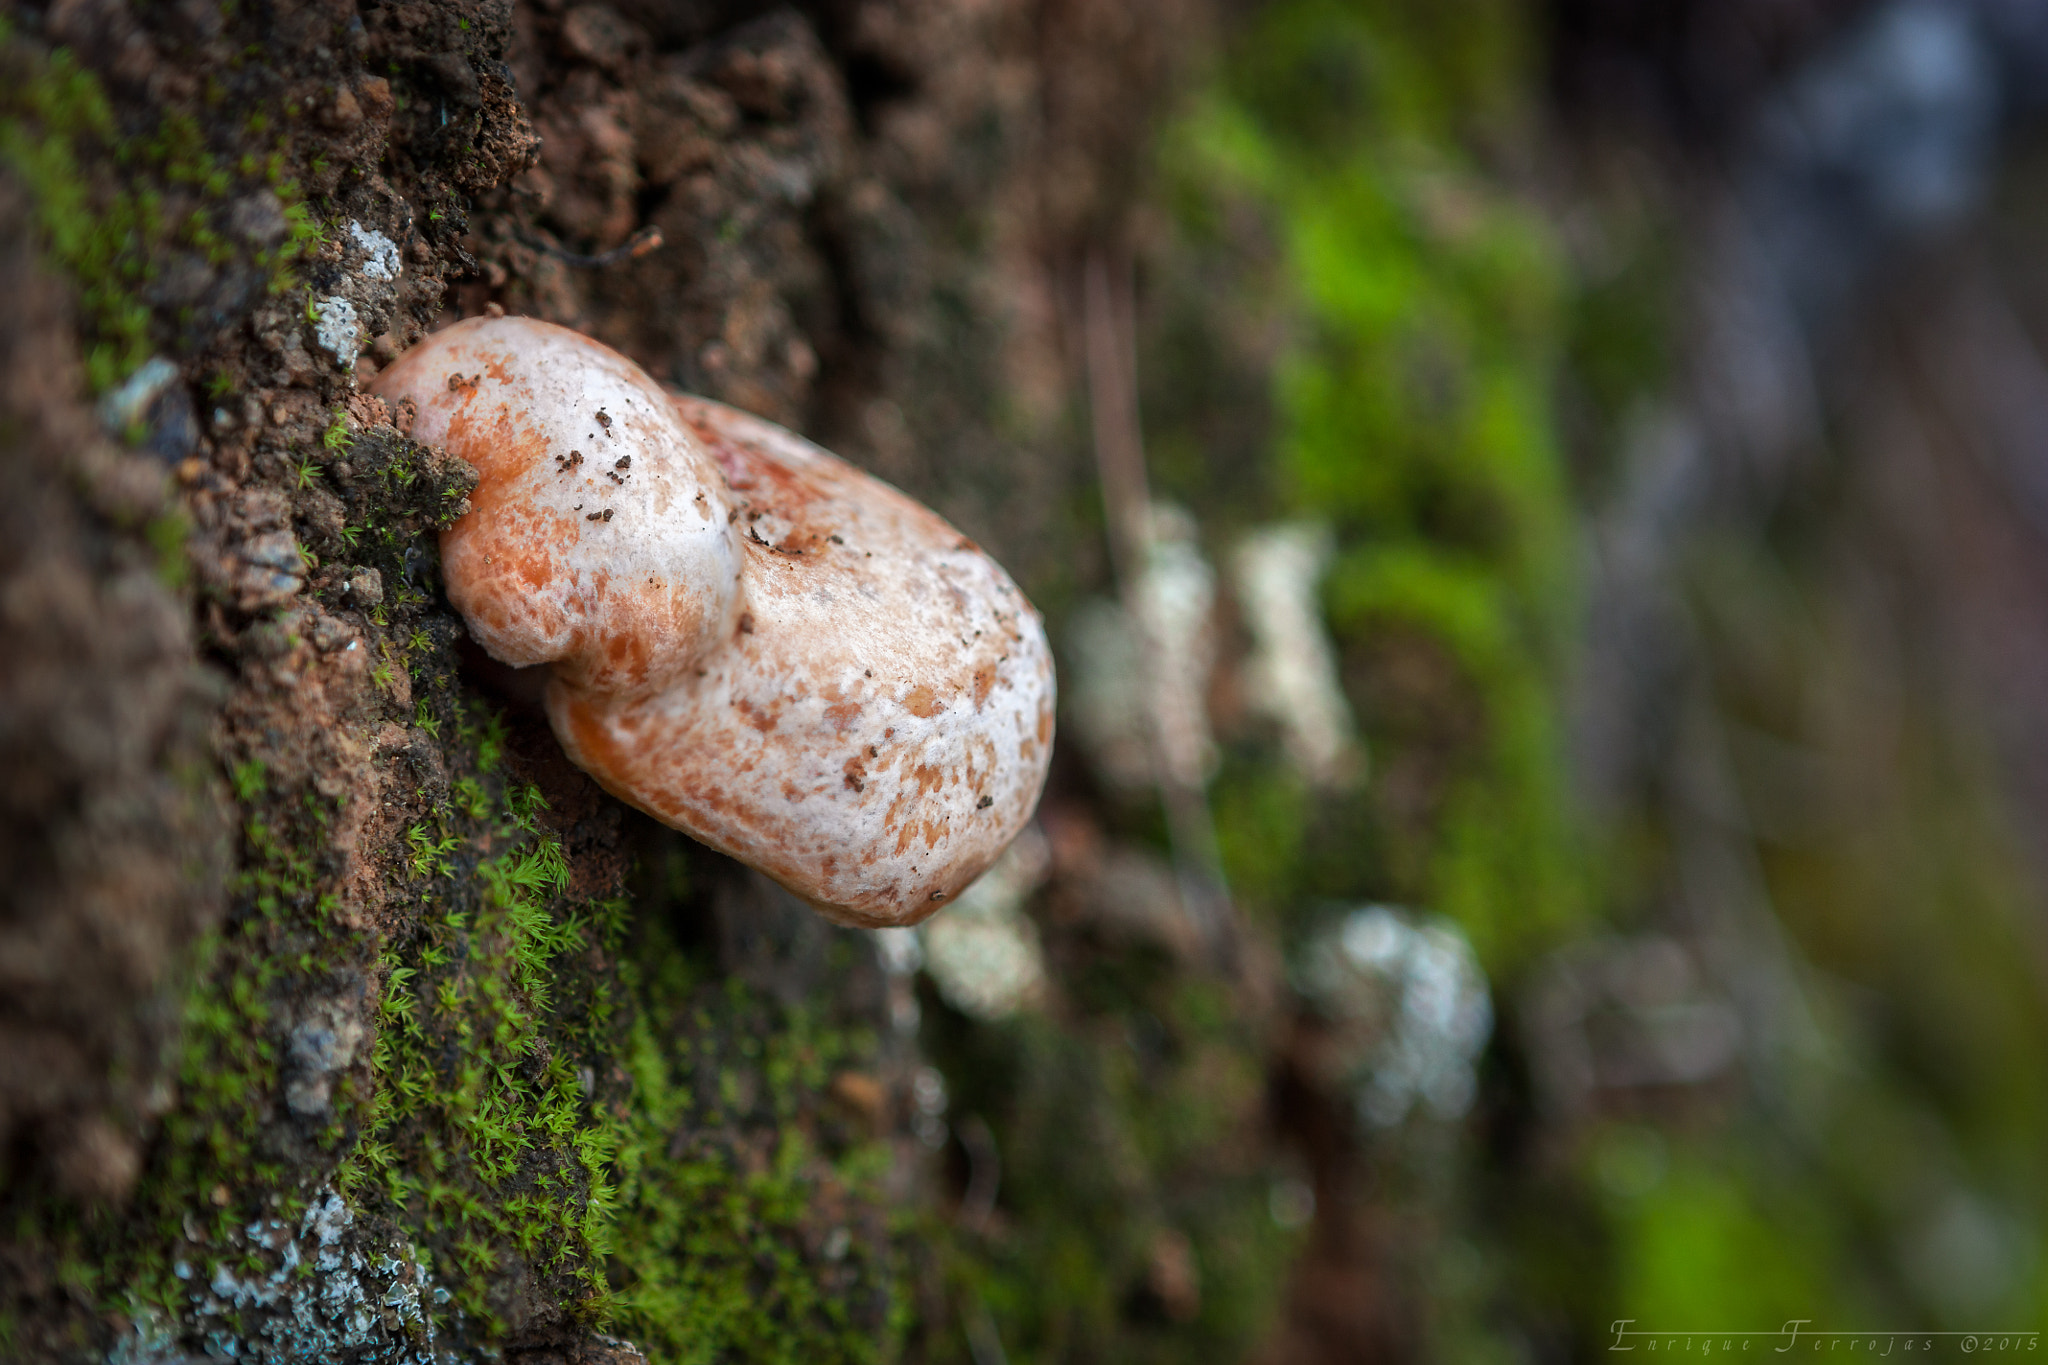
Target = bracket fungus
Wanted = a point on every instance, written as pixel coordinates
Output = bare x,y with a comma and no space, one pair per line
747,638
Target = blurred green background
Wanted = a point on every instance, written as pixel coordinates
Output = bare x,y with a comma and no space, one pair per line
1663,399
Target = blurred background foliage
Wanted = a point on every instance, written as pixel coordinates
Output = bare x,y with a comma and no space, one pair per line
1411,399
1760,922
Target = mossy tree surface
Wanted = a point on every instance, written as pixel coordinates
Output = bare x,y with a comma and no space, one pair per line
1460,390
434,989
429,1073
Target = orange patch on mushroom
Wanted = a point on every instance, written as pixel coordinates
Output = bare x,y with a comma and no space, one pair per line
762,718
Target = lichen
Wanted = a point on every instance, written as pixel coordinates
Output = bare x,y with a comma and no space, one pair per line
285,1293
335,328
547,1113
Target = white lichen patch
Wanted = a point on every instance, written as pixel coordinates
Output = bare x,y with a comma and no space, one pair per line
1175,602
983,951
129,402
1142,666
380,253
336,329
280,1295
1407,1008
1291,677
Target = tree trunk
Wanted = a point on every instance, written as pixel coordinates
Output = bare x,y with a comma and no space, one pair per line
343,1018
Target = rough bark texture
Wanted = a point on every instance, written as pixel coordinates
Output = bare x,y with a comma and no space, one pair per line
343,1018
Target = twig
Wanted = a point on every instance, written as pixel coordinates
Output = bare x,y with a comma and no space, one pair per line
1113,417
633,248
984,1343
1108,310
984,1174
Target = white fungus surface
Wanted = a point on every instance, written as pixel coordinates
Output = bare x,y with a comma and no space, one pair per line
748,638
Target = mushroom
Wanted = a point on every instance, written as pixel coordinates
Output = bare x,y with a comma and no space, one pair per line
747,638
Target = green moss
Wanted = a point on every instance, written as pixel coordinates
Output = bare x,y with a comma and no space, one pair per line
1705,1236
1335,185
336,437
218,1161
1412,411
166,536
98,193
480,1137
537,1058
1263,818
744,1247
1124,1125
53,114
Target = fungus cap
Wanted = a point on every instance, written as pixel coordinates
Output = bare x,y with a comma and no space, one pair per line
822,678
597,539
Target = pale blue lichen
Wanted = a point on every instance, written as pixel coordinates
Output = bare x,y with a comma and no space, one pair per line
380,253
327,1290
336,329
124,406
